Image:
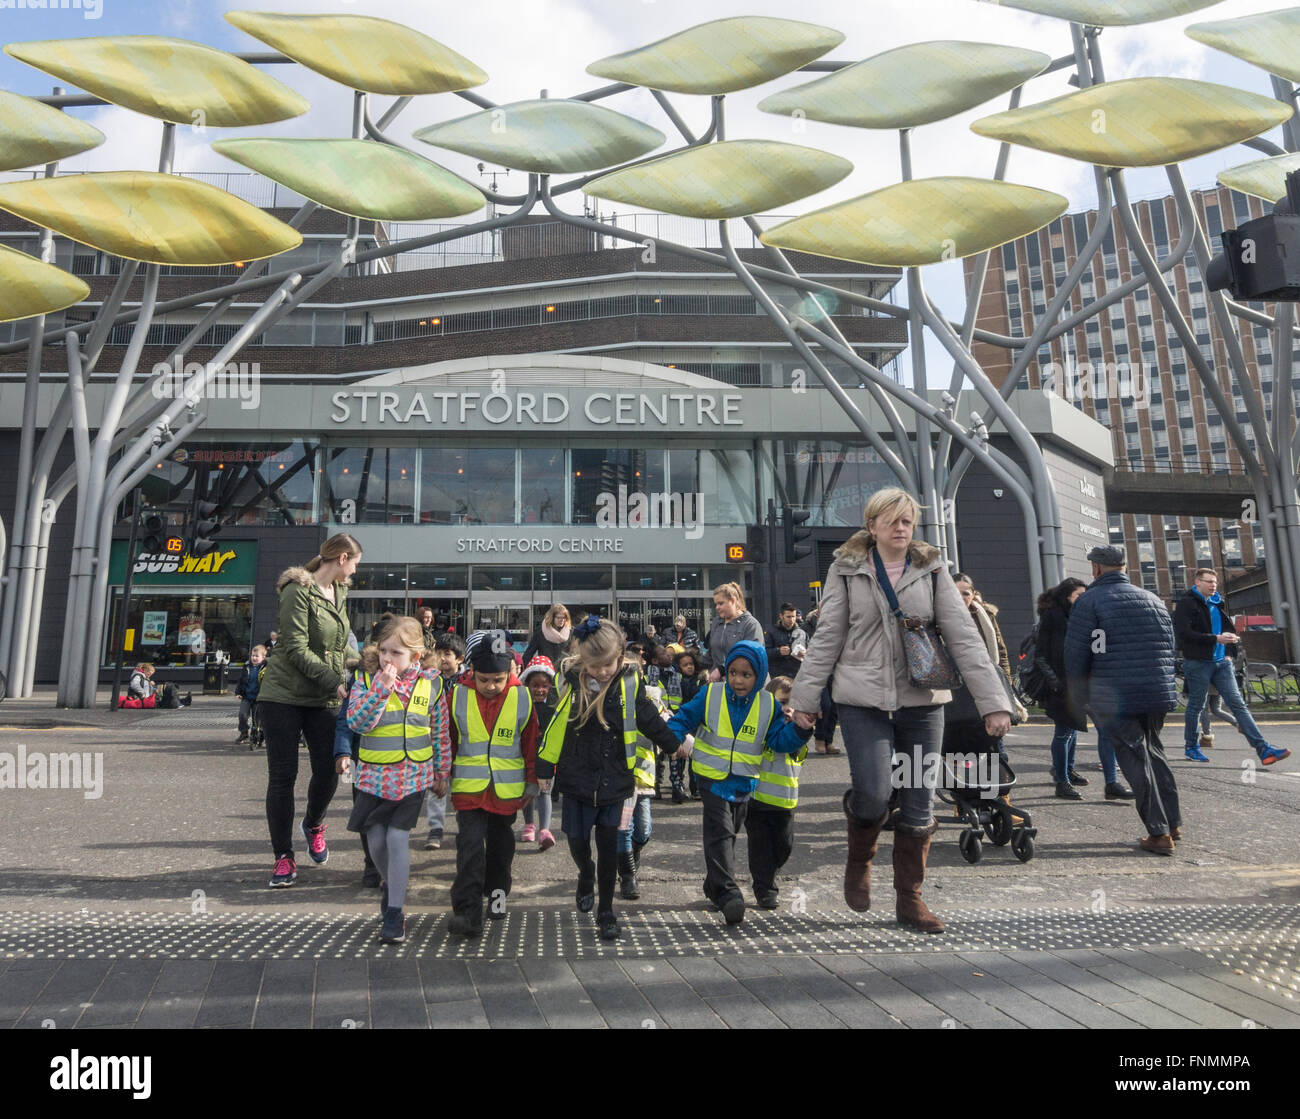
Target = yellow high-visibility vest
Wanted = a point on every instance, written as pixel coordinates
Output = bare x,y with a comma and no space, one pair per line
721,751
553,739
408,724
778,777
496,756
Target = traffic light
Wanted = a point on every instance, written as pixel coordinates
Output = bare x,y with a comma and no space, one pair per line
791,519
756,544
203,527
1261,258
153,533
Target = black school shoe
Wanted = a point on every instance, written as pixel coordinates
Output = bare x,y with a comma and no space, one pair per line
766,899
733,909
1077,778
1116,791
1066,791
607,923
586,895
466,924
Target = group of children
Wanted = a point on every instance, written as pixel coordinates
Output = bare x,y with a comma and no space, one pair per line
458,722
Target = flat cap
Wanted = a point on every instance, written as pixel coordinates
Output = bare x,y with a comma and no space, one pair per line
1107,555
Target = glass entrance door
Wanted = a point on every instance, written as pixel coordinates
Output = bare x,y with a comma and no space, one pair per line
364,611
513,617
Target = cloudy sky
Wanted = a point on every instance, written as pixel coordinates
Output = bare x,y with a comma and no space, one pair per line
530,45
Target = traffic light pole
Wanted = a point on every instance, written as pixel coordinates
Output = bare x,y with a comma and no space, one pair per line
771,559
119,631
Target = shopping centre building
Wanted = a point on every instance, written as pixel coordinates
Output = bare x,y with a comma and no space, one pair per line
530,417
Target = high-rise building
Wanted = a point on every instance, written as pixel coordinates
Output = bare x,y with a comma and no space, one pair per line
1127,368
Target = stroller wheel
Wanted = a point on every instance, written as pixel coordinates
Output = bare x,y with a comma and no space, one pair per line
999,826
972,850
1023,846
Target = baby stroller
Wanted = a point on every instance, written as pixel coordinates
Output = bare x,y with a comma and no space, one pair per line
975,783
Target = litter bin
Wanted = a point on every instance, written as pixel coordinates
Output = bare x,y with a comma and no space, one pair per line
214,678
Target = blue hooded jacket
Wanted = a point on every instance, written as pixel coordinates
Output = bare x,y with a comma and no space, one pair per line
783,737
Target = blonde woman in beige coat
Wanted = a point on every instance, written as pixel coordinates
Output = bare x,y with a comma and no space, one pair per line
881,713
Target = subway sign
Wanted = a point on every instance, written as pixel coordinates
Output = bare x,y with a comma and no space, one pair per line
234,562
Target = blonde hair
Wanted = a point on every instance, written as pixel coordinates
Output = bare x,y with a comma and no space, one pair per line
731,591
556,607
257,649
405,629
339,544
144,667
603,646
889,504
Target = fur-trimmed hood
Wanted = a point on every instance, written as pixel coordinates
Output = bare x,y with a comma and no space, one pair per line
299,575
852,554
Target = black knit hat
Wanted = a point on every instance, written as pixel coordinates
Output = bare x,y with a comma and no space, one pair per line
489,651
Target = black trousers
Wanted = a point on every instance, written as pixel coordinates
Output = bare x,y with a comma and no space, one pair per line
283,723
722,823
1141,758
771,843
485,848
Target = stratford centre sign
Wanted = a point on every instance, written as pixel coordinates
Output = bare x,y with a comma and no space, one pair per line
399,408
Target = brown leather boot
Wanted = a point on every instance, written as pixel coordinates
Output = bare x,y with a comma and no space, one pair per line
911,849
857,867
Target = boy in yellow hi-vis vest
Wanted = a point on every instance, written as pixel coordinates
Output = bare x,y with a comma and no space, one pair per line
494,752
733,723
769,824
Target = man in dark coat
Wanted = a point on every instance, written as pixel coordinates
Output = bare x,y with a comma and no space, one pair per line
1119,665
785,643
1209,643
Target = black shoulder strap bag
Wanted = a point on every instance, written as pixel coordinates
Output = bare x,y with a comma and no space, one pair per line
929,665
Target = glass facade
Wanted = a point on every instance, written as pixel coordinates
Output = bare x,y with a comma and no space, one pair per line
162,626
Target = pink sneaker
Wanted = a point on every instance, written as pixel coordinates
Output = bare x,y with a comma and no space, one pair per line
285,873
529,833
545,840
315,837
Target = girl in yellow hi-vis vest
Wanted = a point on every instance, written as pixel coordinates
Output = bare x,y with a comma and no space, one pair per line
399,707
589,750
733,723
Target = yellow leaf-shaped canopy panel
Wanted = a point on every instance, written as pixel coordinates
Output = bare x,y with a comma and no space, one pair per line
1270,40
722,56
1110,13
32,133
1138,122
549,137
922,221
31,287
1264,178
364,52
725,180
150,217
910,85
169,79
358,178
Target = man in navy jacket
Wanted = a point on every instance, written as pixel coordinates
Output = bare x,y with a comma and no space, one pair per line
1209,643
1119,662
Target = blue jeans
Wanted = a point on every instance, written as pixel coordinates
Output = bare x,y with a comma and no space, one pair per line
1106,753
1200,675
640,829
1063,741
872,737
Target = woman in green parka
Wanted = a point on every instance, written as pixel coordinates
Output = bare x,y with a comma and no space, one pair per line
305,681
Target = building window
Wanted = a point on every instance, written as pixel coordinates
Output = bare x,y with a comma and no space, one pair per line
370,485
